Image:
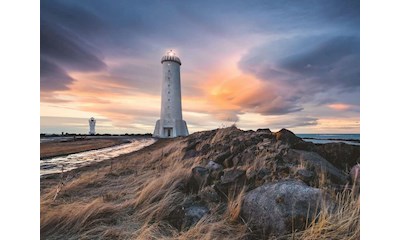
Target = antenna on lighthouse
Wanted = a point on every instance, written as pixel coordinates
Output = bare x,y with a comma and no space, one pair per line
171,53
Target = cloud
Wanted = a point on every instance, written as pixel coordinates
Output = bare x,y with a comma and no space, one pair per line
286,58
228,98
316,61
307,69
333,63
63,47
52,77
343,107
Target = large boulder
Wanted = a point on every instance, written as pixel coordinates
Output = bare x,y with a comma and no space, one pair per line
317,162
287,137
341,155
278,208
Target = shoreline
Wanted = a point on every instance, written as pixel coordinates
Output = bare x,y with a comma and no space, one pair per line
71,145
91,149
333,139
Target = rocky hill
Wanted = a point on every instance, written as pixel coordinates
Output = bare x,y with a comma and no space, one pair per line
219,184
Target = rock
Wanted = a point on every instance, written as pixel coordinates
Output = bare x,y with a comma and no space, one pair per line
220,158
355,174
215,169
251,173
233,176
255,177
198,179
341,155
213,166
287,137
318,163
264,130
228,162
205,149
231,182
236,148
263,172
187,214
277,208
305,175
209,195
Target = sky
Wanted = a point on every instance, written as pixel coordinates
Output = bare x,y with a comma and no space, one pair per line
258,64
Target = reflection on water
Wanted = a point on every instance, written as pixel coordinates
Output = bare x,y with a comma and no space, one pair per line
76,160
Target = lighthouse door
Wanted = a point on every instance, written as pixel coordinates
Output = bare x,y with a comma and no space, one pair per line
168,132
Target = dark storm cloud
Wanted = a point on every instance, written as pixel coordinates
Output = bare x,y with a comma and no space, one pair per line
334,63
308,69
63,47
52,77
308,49
328,63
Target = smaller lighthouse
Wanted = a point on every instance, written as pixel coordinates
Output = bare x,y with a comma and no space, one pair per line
92,125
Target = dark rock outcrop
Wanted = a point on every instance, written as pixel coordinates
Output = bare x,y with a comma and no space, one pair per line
341,155
287,137
355,174
231,182
277,208
318,163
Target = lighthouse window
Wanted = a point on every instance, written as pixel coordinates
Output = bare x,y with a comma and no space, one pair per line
168,99
169,70
168,85
168,92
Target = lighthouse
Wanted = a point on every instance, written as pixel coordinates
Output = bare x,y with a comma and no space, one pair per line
92,124
171,123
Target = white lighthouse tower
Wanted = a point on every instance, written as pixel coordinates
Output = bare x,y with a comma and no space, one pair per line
171,123
92,124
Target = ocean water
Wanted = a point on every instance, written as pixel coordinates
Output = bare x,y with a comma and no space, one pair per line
328,138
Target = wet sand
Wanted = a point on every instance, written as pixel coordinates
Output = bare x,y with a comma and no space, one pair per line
77,160
61,148
50,180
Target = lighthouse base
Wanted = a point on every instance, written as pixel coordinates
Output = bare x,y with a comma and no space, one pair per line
170,128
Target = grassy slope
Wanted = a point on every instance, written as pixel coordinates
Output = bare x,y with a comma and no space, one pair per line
128,198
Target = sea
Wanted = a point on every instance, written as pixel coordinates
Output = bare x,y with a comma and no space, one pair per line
353,139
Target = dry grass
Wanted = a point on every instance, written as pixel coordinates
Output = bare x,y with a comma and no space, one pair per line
132,200
343,222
